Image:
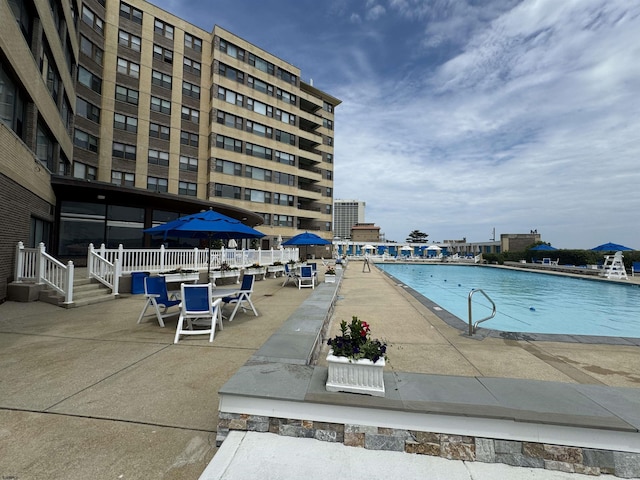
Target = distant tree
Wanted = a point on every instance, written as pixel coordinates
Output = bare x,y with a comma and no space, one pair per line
416,236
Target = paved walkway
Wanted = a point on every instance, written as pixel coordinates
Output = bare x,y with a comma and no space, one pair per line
87,393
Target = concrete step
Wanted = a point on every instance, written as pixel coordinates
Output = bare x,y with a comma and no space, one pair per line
85,292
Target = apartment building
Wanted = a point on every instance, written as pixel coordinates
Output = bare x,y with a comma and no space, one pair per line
116,116
346,214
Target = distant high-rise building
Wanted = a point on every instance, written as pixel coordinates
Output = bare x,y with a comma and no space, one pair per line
346,213
117,115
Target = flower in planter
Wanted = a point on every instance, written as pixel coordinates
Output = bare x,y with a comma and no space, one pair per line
277,263
255,265
183,271
330,271
355,342
225,267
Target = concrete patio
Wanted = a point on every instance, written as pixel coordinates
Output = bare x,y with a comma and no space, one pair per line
87,393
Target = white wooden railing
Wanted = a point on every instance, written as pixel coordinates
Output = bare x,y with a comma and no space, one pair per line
154,260
36,265
107,265
106,272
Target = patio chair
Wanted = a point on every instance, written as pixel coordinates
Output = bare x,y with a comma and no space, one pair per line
306,278
155,291
197,309
289,275
243,296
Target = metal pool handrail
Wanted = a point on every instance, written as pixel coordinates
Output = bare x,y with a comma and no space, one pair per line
473,326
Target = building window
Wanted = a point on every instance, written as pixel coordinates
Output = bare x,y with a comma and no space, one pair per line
329,158
161,79
228,143
229,120
129,40
188,164
285,137
86,172
282,199
228,168
227,191
128,67
127,95
160,105
192,42
231,73
191,66
158,158
230,96
190,90
12,103
329,141
286,97
121,150
258,173
327,107
87,110
133,14
260,86
259,107
287,77
163,54
285,117
159,131
191,114
286,158
160,185
44,148
187,188
123,178
163,29
188,138
91,50
88,79
282,221
284,179
326,123
257,196
85,140
258,151
91,19
231,50
124,122
261,64
259,129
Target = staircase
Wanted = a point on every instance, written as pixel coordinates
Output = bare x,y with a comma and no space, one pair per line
86,291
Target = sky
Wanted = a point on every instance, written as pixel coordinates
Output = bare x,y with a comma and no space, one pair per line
461,118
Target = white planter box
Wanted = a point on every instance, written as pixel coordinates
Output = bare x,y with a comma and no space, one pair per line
355,376
329,278
180,277
258,272
215,274
276,270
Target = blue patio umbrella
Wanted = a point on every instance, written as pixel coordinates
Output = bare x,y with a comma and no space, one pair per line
610,247
305,239
543,247
206,224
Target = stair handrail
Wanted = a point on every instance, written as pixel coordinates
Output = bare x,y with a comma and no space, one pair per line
36,265
474,326
106,272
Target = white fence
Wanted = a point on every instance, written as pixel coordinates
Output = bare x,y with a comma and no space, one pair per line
37,266
164,259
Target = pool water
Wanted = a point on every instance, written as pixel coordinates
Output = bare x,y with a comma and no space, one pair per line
527,301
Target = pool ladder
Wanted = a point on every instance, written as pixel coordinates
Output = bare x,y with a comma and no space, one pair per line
474,326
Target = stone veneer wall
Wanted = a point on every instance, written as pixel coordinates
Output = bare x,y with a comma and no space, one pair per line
454,447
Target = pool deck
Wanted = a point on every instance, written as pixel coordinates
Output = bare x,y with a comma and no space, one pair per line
87,393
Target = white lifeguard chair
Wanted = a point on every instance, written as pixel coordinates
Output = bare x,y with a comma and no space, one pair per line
614,267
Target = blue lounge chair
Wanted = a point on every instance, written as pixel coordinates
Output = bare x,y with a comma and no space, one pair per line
197,309
155,291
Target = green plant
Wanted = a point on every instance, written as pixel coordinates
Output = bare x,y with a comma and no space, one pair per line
330,271
255,265
355,342
277,263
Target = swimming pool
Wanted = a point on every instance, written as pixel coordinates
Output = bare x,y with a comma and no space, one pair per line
526,301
